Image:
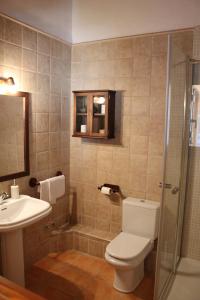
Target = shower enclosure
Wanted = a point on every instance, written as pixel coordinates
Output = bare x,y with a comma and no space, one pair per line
177,135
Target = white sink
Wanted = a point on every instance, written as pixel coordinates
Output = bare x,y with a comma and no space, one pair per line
15,214
22,212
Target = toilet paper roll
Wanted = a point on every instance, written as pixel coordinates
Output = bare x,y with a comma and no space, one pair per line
106,190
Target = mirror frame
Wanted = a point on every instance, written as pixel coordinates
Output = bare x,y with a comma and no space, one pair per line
26,170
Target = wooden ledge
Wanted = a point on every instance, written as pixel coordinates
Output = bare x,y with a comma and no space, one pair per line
10,290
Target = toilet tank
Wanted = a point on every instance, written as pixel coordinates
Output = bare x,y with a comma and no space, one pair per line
140,217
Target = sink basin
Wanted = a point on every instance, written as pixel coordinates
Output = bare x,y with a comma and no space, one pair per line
19,213
15,214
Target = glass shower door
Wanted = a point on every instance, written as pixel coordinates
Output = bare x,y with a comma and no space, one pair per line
175,169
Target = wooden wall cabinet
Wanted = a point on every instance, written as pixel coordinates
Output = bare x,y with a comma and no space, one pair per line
94,114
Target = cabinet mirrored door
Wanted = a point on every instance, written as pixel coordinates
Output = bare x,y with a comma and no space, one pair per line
99,111
81,111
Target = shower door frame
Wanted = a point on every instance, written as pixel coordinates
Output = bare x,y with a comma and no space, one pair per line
167,120
182,184
184,160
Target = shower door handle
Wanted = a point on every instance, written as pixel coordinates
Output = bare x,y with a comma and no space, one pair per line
166,185
175,190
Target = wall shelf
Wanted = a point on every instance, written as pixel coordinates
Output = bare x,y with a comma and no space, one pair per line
94,114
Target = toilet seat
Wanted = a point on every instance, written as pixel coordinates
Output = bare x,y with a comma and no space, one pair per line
129,247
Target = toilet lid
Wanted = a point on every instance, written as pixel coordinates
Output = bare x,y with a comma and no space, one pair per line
127,246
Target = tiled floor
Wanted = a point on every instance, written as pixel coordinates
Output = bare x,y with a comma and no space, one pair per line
72,275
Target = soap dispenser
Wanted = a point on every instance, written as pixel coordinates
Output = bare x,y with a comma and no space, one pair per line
14,190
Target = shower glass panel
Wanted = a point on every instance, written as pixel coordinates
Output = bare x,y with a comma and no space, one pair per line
195,107
168,246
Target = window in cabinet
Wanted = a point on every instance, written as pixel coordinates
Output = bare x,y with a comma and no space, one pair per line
98,114
81,108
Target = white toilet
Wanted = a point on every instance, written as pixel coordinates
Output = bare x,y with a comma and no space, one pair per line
128,250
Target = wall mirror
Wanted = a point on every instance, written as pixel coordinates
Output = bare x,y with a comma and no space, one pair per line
14,135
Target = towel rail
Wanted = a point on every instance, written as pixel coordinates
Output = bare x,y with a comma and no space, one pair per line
33,182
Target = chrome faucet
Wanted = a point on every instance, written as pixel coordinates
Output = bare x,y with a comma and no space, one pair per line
3,197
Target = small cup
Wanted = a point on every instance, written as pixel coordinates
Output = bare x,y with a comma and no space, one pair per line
83,128
103,109
101,131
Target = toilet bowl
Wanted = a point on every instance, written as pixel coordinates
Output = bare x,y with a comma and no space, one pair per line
127,251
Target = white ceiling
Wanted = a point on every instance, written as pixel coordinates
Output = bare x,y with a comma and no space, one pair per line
103,19
88,20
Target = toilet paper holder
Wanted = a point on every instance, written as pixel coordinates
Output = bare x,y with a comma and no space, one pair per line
113,187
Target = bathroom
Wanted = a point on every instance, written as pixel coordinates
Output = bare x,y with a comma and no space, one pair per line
144,60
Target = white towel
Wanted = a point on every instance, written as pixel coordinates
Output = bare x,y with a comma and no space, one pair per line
43,189
56,188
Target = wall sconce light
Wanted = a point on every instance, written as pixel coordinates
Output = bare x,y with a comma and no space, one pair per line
7,85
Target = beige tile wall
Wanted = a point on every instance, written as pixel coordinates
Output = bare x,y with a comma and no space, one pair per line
41,66
136,69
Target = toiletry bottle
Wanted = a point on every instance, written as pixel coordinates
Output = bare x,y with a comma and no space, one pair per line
14,191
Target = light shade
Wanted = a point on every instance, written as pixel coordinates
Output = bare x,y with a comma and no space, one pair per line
7,85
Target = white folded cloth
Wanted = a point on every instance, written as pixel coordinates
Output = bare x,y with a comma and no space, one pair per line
43,189
56,188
